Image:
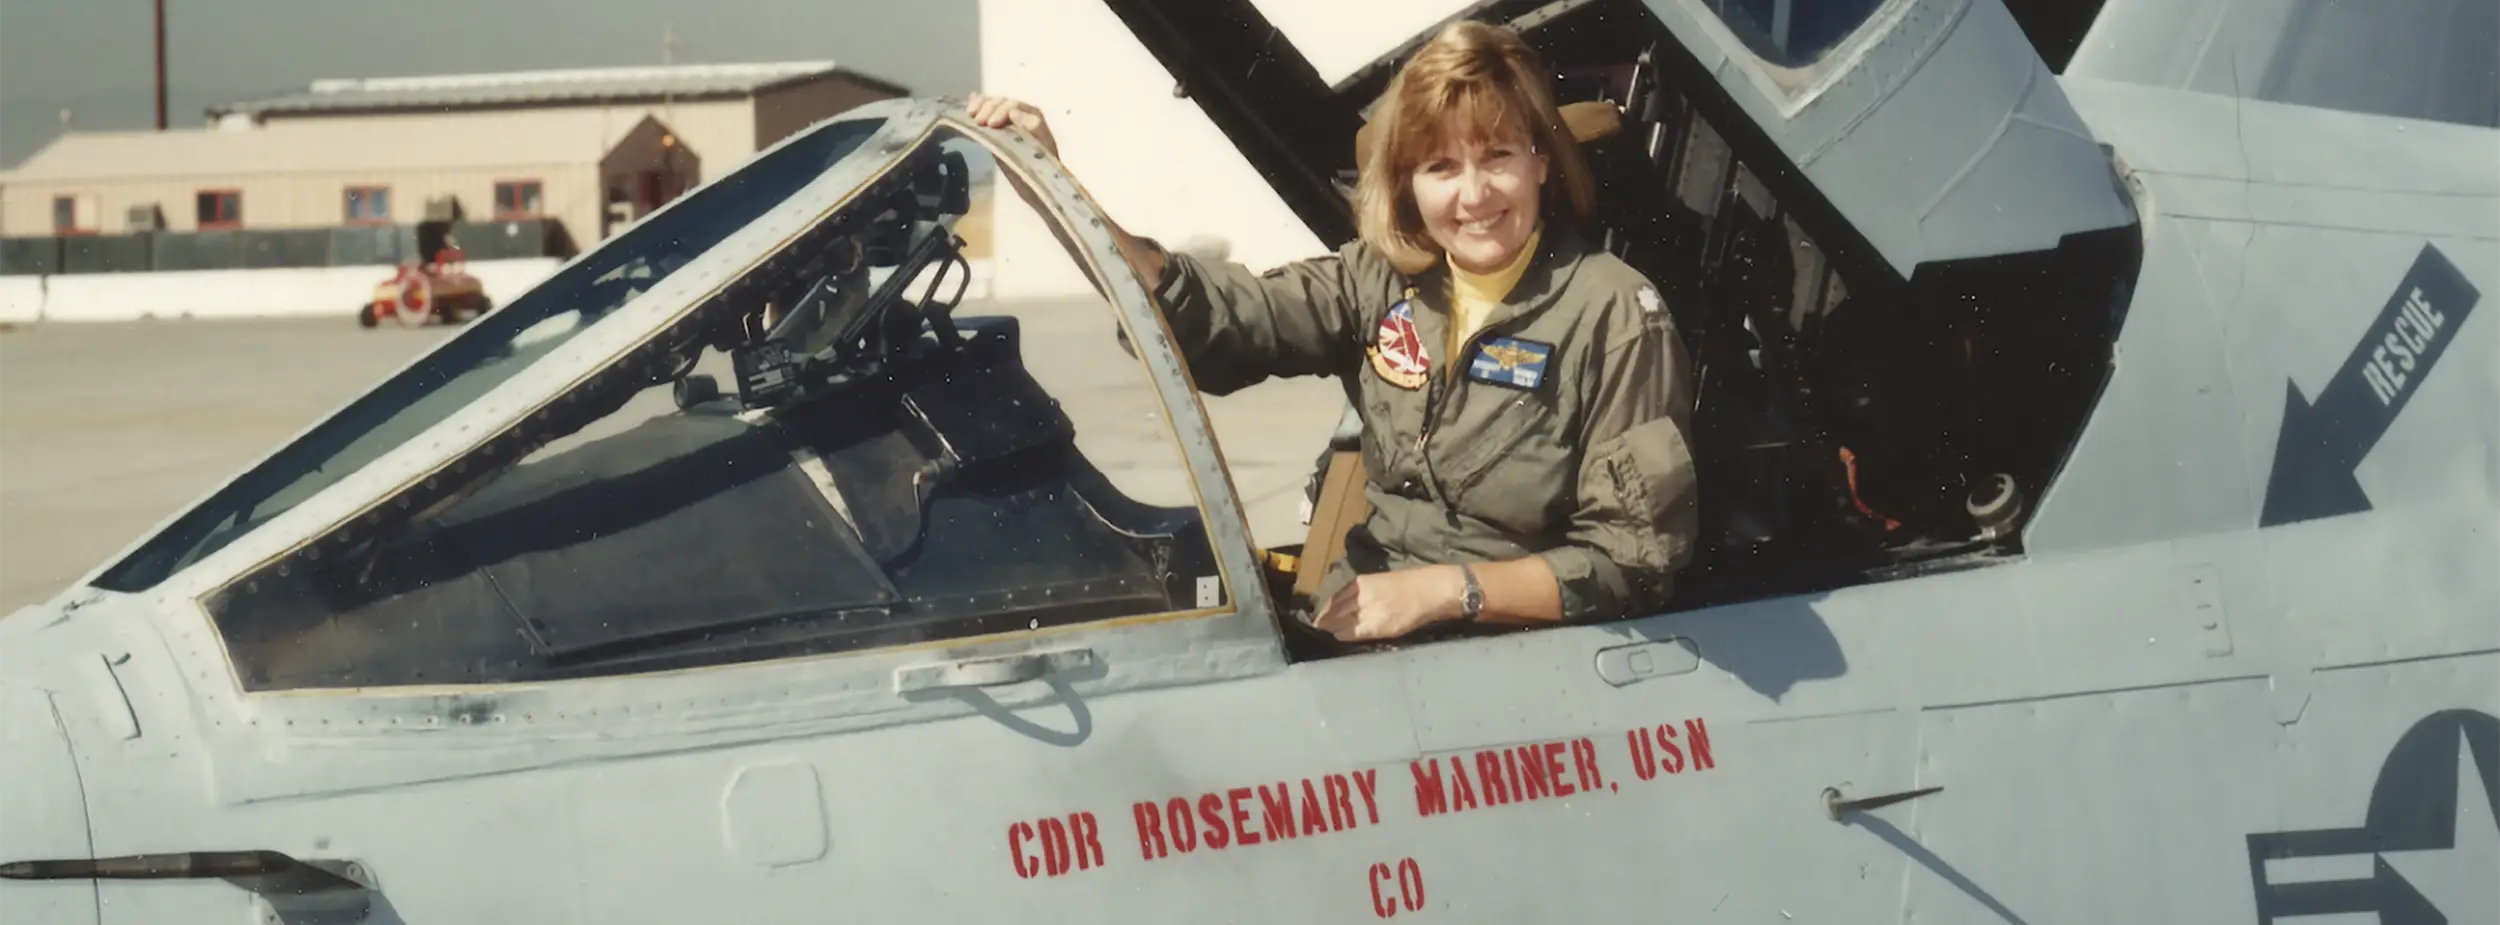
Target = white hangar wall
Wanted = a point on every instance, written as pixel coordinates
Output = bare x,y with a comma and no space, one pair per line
1155,163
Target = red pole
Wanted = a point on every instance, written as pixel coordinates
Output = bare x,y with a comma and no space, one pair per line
160,65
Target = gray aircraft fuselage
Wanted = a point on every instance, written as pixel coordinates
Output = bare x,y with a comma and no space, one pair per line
2235,659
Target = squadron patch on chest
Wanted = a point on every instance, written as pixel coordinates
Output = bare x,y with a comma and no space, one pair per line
1397,351
1510,363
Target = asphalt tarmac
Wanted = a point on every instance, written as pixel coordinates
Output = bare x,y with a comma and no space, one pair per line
108,430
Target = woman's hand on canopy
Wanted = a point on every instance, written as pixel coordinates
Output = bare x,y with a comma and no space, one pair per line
1002,112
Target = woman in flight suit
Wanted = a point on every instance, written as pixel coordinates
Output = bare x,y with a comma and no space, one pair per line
1523,394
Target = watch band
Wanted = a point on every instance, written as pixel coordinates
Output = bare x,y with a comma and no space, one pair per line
1470,600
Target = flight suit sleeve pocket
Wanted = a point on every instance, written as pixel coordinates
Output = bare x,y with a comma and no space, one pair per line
1639,513
1655,467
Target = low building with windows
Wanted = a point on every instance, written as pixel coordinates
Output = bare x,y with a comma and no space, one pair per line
586,149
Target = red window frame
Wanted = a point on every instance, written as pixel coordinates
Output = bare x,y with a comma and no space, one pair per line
538,192
235,215
59,230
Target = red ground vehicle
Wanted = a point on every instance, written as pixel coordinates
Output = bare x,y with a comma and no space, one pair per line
423,291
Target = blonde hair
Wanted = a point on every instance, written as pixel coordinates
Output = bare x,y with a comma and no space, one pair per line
1471,82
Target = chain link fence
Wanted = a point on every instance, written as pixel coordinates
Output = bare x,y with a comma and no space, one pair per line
272,249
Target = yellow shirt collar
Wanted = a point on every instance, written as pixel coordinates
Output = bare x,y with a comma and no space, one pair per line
1491,288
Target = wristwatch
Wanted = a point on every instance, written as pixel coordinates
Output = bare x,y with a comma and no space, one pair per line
1471,600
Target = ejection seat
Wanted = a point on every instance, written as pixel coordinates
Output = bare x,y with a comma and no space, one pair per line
1336,491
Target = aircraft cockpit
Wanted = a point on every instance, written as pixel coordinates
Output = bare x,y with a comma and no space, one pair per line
1867,410
816,455
1879,396
765,422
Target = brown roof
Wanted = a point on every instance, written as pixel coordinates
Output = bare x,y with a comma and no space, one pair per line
612,85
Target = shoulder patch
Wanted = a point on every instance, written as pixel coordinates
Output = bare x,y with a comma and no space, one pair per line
1397,352
1648,297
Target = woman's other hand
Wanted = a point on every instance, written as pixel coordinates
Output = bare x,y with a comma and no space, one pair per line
1392,604
1002,112
989,111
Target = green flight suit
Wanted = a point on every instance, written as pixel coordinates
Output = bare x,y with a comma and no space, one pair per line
1561,433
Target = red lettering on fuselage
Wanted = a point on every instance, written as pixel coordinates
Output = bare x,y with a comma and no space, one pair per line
1368,781
1241,817
1584,759
1244,816
1264,813
1314,819
1657,750
1276,816
1411,885
1149,829
1553,770
1211,809
1066,846
1410,893
1670,758
1430,800
1488,773
1026,864
1087,833
1184,826
1054,847
1383,905
1523,773
1406,876
1697,738
1341,803
1533,784
1462,792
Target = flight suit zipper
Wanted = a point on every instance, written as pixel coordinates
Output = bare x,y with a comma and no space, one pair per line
1472,479
1423,436
1434,398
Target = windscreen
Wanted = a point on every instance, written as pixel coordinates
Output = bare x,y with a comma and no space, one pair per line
742,489
1793,33
496,348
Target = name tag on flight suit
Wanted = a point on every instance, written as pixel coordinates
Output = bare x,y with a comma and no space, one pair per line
1517,364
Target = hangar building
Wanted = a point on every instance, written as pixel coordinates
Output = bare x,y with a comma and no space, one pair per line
589,149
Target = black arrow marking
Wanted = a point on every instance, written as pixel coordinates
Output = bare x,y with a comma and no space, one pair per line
2413,807
2385,893
2321,443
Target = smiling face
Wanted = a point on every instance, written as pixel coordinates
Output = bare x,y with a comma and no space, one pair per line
1463,146
1478,197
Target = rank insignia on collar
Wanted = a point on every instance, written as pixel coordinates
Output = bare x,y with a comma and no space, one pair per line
1511,363
1397,351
